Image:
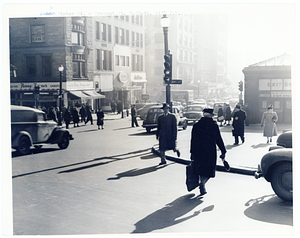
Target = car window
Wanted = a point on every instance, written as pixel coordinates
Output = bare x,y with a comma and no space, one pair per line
23,116
41,117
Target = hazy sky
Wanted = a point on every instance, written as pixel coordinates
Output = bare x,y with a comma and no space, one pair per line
257,33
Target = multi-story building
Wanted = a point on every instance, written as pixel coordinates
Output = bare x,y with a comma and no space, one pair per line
119,57
98,54
198,47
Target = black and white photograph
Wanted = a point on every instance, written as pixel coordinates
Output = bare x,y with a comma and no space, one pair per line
157,119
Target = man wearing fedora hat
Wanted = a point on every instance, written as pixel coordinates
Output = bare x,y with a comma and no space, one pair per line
205,136
166,133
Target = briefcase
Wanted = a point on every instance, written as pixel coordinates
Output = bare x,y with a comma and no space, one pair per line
192,179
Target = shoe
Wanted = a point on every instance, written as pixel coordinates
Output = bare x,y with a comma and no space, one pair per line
162,162
202,189
271,140
235,143
178,153
267,141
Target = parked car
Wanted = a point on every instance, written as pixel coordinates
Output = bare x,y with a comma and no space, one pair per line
142,112
29,127
276,167
193,113
151,120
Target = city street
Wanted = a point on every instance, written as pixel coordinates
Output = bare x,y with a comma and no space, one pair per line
109,182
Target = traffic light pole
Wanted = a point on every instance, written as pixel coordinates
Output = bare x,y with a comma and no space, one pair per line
168,86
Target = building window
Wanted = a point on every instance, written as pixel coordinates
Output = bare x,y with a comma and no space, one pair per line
122,59
142,41
117,35
31,66
127,61
117,63
103,31
38,33
77,38
97,30
133,38
109,33
137,18
122,36
132,19
127,18
277,105
98,59
127,37
78,69
46,66
137,40
141,20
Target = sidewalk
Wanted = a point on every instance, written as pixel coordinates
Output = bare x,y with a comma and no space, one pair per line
243,158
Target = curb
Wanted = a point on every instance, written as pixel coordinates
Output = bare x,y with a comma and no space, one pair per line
219,167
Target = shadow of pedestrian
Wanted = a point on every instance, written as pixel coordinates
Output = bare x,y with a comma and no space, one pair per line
260,145
171,214
138,172
270,208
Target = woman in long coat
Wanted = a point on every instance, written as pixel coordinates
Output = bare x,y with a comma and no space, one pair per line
205,136
100,119
75,116
268,120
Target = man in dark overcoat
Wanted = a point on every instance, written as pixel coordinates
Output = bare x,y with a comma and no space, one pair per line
239,118
166,133
205,136
134,116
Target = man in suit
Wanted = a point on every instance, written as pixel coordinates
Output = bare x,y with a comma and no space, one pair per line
238,124
166,133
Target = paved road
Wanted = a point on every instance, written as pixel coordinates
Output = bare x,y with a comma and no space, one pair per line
109,182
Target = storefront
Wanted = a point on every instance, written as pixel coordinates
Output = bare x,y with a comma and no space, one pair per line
35,94
265,85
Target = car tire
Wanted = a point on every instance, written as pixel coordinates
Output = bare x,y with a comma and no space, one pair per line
23,145
64,142
148,129
282,181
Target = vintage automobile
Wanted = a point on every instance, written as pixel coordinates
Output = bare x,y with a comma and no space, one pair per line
193,113
29,127
142,112
276,167
151,120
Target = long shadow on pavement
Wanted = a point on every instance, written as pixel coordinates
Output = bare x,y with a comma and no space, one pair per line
145,152
270,208
171,214
138,172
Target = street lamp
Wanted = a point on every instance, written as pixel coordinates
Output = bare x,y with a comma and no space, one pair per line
165,23
198,88
61,69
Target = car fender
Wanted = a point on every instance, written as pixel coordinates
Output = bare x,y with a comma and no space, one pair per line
270,160
15,140
57,134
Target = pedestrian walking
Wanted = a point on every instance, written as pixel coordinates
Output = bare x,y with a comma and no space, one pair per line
82,113
89,114
52,114
100,119
238,124
227,116
134,116
167,133
220,115
205,136
268,121
67,117
75,116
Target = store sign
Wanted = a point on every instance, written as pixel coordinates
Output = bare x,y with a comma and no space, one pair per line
80,85
138,77
30,86
123,77
274,84
282,94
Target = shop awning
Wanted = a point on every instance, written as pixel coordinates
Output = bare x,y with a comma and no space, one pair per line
93,94
87,94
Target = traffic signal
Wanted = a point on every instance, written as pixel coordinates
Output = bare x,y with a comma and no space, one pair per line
168,68
241,86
